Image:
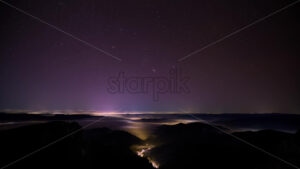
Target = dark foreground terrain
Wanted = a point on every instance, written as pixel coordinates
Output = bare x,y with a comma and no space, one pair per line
198,145
94,148
188,146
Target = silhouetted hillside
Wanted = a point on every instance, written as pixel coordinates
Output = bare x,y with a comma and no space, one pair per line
95,148
198,145
189,146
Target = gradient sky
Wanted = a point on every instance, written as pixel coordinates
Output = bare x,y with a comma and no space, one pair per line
255,70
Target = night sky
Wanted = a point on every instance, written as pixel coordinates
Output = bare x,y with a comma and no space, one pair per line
255,70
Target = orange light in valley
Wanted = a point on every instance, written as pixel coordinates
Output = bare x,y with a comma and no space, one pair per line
142,151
